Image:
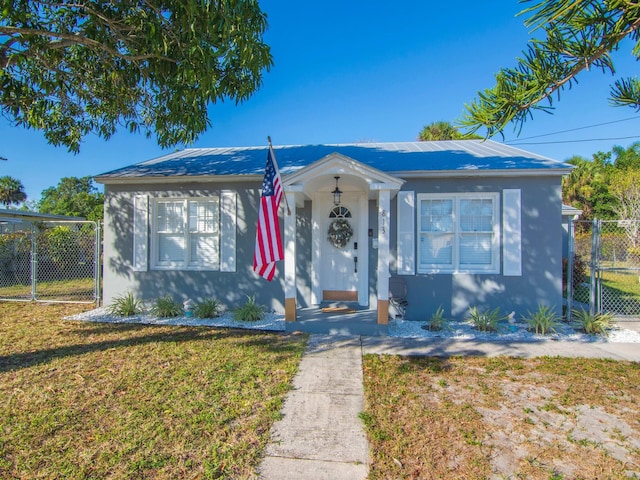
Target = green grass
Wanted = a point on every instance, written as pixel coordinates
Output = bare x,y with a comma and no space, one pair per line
83,400
621,292
78,289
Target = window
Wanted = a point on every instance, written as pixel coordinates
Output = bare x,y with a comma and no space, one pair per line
186,234
458,233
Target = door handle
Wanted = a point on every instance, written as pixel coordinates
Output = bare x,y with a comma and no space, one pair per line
355,264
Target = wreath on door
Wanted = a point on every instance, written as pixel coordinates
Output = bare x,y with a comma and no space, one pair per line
340,232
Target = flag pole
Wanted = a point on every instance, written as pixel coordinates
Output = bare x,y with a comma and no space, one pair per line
273,157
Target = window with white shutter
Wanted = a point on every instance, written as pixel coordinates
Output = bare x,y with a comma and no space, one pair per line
186,234
458,233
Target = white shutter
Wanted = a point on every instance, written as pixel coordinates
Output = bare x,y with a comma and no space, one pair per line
140,233
228,221
512,233
406,256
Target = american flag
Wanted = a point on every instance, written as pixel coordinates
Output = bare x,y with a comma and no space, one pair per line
268,240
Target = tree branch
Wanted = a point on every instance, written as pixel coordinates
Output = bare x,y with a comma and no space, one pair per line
67,39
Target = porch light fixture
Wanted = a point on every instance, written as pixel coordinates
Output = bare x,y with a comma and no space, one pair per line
336,193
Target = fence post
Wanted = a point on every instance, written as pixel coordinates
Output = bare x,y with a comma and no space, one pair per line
595,241
98,262
34,260
570,262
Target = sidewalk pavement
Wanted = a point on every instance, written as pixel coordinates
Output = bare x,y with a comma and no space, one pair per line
321,437
527,349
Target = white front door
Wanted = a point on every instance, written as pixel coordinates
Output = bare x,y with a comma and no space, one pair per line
339,246
341,266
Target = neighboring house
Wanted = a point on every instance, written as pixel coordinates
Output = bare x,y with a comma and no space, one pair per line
465,223
14,220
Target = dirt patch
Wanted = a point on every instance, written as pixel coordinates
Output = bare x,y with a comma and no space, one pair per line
503,418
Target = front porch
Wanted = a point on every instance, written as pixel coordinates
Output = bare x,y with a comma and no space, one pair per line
341,268
361,322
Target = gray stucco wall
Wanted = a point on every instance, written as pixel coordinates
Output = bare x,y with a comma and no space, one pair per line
230,288
541,255
541,250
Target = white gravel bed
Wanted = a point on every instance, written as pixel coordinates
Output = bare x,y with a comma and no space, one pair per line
271,321
466,331
397,328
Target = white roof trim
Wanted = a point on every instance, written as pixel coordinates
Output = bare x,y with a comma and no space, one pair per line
337,163
179,179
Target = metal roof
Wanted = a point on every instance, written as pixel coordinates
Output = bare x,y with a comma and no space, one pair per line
8,215
393,158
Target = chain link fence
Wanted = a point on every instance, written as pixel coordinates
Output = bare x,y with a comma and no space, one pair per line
53,261
603,274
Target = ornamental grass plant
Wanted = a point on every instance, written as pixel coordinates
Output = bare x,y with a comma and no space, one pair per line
250,311
437,321
543,321
593,323
209,308
167,307
126,305
485,321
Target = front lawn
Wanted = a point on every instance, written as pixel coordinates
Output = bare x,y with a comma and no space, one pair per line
87,400
477,418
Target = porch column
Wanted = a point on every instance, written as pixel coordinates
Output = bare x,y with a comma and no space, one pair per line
290,260
384,200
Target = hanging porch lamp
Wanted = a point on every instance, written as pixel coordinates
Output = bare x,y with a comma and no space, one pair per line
336,193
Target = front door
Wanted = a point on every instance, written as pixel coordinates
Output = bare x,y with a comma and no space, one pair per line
340,267
341,263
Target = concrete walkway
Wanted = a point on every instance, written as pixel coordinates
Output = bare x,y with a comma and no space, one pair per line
320,435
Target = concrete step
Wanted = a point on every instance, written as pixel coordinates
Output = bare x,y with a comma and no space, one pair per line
340,307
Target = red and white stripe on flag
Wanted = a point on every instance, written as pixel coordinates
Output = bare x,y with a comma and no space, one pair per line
268,248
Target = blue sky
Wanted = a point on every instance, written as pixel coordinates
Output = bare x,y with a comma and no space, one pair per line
353,71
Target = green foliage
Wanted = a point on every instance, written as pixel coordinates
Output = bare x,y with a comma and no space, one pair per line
166,307
443,131
15,256
61,245
11,190
593,323
207,309
437,321
587,186
544,320
486,321
72,69
250,311
75,197
126,305
575,37
579,271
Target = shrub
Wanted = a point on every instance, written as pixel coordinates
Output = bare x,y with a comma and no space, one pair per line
207,309
61,245
633,255
437,321
593,323
486,321
579,271
126,305
542,321
166,307
250,311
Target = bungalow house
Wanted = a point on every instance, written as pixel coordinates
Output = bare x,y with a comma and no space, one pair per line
463,223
